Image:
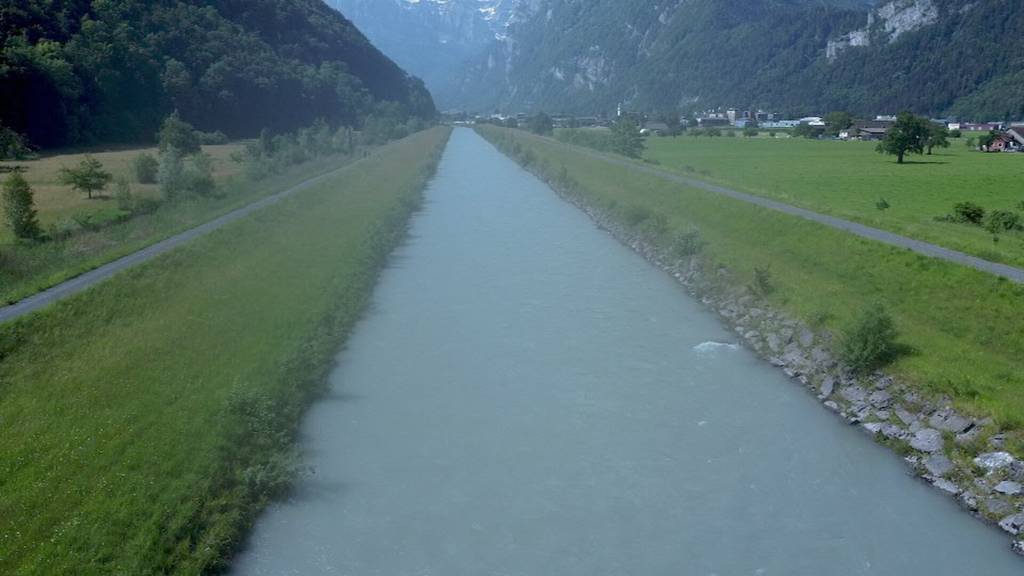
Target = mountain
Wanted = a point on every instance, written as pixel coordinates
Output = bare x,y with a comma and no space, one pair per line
433,39
795,56
78,71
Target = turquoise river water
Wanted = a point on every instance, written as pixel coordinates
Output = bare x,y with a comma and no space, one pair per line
527,397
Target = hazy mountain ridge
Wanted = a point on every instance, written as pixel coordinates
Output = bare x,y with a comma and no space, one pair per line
932,56
433,39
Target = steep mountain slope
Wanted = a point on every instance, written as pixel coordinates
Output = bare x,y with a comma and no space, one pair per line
432,39
81,71
931,56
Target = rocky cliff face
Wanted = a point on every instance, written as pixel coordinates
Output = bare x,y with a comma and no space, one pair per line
791,56
887,23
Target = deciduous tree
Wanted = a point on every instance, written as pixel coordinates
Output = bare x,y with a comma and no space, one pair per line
89,176
908,135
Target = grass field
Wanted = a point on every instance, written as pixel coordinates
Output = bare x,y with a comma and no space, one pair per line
144,422
56,202
963,326
848,179
26,268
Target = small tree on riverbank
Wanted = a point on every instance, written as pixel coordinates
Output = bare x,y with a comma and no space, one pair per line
870,342
19,207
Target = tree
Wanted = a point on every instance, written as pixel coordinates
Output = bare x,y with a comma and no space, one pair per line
171,175
955,133
908,135
542,124
836,122
675,125
938,137
19,207
12,145
626,138
89,176
178,134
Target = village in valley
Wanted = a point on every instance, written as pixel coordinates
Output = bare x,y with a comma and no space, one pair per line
986,136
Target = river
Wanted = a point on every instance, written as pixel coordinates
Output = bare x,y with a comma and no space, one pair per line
528,397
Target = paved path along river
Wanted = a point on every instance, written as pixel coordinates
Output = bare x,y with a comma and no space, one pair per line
528,397
925,248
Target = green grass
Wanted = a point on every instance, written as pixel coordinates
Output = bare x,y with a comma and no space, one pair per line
847,179
962,325
27,268
144,422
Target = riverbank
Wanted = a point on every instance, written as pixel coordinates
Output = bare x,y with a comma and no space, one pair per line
145,422
960,443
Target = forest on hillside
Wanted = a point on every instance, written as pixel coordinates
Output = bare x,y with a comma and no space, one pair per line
584,57
86,71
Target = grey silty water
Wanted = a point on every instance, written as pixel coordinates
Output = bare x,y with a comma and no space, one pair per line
528,397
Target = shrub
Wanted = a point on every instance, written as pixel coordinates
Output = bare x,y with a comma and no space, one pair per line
145,167
12,145
1002,221
968,213
635,214
763,283
870,342
750,132
171,175
19,207
882,204
199,178
688,244
217,137
123,194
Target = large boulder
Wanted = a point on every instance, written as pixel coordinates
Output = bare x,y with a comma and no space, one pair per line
927,440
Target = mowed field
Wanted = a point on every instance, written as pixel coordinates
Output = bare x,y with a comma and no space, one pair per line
145,422
56,202
962,327
848,179
28,267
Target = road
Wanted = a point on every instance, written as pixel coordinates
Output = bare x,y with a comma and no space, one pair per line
933,250
95,276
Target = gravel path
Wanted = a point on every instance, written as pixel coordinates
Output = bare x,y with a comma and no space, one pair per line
925,248
80,283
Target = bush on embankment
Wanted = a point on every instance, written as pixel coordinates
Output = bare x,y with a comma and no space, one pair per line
147,421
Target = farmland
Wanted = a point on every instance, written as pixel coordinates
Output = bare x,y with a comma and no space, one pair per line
146,421
850,180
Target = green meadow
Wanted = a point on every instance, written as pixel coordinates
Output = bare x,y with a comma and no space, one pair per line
849,180
961,327
145,422
28,267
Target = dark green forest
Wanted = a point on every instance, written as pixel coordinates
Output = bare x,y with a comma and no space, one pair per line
81,71
585,57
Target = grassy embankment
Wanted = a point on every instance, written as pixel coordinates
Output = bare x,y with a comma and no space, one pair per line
28,267
848,179
144,423
962,325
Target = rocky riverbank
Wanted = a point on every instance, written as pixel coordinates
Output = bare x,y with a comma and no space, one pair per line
961,456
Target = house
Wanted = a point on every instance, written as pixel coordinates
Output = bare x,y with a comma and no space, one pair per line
813,121
985,127
1010,141
713,121
866,130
